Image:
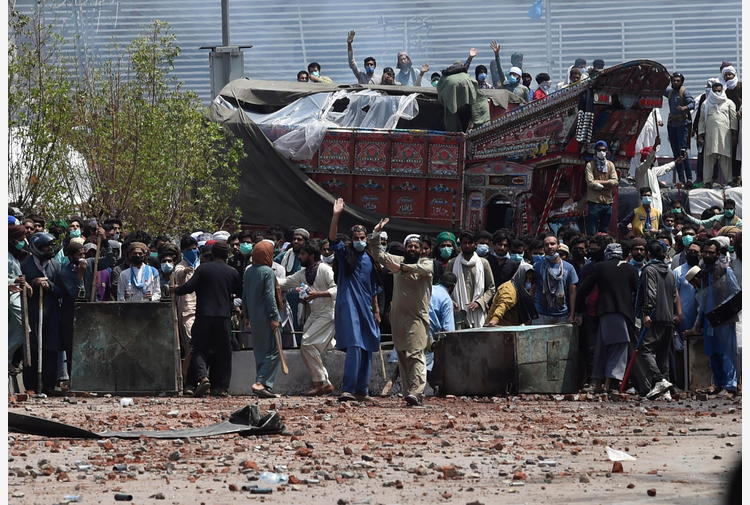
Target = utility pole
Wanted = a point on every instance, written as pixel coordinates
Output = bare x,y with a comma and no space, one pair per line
548,31
226,62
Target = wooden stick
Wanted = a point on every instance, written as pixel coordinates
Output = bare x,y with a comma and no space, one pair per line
94,284
26,328
176,326
382,360
39,329
284,367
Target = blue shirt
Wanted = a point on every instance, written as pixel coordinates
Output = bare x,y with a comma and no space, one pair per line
540,300
354,321
441,310
687,297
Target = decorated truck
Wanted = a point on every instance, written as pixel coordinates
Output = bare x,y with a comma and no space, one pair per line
383,149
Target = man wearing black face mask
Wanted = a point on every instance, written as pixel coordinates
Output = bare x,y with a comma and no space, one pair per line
139,282
578,249
637,254
658,306
686,289
43,273
718,284
410,322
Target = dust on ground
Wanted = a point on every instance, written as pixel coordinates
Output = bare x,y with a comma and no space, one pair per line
528,449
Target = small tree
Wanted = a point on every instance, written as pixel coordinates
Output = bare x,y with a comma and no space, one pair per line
42,173
148,153
155,160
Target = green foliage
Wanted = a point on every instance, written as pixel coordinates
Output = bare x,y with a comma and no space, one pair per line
153,158
40,115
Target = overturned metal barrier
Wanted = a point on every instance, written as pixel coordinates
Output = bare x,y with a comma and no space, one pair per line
247,421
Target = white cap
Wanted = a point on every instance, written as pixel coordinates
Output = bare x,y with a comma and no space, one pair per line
196,234
692,273
221,235
383,235
515,70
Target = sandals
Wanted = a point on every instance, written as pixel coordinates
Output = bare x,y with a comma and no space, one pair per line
263,393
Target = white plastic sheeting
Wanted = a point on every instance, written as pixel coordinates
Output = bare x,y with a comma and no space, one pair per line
297,130
701,199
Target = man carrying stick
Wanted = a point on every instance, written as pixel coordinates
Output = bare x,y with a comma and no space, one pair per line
410,320
260,304
43,273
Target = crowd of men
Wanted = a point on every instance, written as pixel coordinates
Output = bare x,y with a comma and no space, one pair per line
661,279
713,118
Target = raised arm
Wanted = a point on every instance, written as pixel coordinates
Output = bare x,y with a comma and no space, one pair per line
423,70
501,75
392,262
472,55
333,230
350,54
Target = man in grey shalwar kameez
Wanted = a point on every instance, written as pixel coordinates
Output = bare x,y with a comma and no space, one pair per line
617,283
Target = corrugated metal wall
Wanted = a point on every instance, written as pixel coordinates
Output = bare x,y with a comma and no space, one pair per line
693,36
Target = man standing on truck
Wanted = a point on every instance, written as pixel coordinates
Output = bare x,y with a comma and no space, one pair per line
368,75
601,179
681,102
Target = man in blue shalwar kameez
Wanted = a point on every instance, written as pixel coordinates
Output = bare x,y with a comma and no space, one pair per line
357,314
718,284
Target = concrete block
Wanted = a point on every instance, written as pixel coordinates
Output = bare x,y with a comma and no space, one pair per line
298,380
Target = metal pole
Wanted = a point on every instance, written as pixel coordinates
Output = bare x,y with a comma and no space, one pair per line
548,30
302,35
622,41
224,22
674,46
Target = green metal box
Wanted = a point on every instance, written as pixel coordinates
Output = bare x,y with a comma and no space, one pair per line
124,347
508,360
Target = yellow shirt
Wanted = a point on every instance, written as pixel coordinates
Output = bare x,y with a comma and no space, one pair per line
640,217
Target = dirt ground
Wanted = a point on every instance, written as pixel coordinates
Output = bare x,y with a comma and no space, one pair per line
531,449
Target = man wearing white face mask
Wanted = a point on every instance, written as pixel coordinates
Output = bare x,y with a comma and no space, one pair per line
601,179
717,132
476,285
545,82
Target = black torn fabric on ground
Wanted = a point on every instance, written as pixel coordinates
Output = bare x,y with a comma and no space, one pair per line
247,421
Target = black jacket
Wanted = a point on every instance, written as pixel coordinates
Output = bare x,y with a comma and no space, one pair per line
656,293
617,283
214,283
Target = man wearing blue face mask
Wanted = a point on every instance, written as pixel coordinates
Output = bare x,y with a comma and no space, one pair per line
368,75
726,218
357,314
644,218
169,256
511,82
186,304
481,75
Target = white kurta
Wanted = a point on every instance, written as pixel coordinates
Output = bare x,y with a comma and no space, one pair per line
646,138
647,175
126,291
186,303
319,328
717,125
